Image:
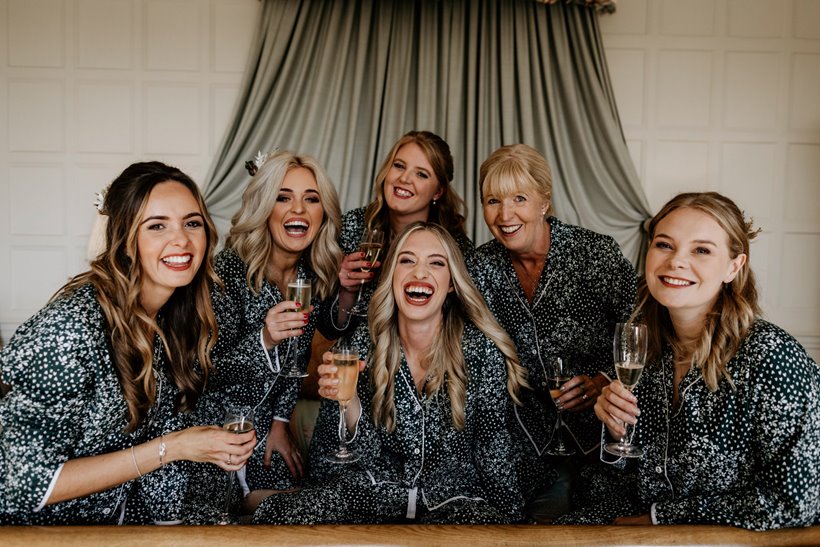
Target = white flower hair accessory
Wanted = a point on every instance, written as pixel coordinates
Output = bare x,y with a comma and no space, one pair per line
253,165
99,200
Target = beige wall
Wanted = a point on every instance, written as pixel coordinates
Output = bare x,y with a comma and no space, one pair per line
87,87
713,94
725,95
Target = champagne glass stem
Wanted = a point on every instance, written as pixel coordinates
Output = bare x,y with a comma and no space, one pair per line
342,428
228,495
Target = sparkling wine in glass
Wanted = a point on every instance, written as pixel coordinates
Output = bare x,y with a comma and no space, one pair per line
558,373
346,360
371,245
238,419
629,350
299,290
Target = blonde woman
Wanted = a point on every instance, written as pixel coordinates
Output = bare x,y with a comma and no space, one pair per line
286,228
729,403
430,413
103,376
558,290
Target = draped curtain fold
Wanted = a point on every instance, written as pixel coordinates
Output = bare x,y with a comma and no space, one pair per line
343,80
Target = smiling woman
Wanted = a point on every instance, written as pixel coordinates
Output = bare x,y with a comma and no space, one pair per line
103,378
729,403
430,423
286,229
558,290
413,184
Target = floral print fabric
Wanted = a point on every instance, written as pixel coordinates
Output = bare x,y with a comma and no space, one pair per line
66,402
585,288
425,470
747,457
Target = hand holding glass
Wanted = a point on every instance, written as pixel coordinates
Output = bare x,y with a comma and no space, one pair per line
299,291
371,245
346,361
629,349
558,373
238,419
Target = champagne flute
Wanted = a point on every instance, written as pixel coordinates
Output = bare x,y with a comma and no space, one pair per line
299,290
558,374
629,348
371,245
346,360
238,419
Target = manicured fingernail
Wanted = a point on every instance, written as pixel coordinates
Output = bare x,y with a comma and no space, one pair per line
299,304
368,264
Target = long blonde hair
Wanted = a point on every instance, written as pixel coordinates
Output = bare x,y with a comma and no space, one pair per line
736,308
446,357
188,328
251,239
448,210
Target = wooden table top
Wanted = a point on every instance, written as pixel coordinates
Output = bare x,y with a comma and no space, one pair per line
415,535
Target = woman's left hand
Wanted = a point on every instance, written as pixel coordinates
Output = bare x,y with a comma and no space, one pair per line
280,440
635,520
581,392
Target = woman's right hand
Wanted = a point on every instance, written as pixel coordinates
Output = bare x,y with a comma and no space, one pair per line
211,444
281,323
617,405
328,379
351,276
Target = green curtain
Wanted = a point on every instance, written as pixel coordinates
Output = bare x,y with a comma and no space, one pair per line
343,80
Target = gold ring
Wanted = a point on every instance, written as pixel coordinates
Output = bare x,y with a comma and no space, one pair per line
584,397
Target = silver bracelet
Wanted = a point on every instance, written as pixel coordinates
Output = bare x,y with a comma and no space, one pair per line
162,450
134,457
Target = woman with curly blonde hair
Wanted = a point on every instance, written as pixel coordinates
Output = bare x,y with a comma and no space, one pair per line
430,419
286,228
103,377
729,403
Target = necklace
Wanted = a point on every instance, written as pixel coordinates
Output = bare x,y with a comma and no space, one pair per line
530,281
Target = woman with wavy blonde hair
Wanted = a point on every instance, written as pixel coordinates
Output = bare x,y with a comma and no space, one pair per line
286,228
103,375
729,403
431,421
415,183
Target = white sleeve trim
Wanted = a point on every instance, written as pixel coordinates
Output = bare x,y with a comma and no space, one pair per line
337,306
50,489
277,367
652,513
280,419
605,375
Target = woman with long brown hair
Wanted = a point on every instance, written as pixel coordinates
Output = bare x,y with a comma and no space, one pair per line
103,377
415,183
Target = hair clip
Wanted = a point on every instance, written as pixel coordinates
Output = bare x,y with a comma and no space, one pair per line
99,200
253,165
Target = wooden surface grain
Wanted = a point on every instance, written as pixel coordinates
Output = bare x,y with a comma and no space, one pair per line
414,535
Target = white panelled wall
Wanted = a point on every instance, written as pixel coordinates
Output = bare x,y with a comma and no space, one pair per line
86,88
713,95
724,95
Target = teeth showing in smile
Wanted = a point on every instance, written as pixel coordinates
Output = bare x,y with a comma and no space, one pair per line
510,229
402,193
676,282
296,226
177,259
418,293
